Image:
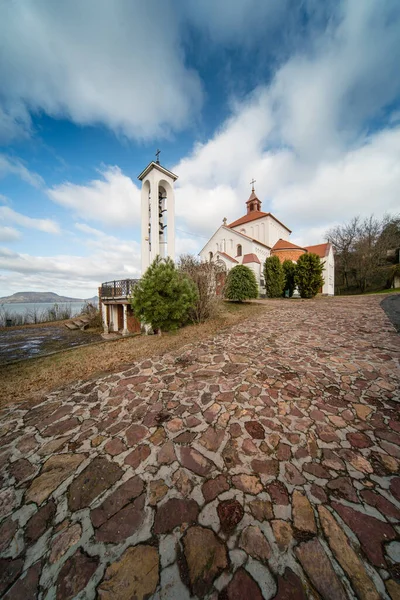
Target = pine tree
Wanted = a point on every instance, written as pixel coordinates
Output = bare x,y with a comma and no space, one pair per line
241,284
308,276
274,277
289,270
164,296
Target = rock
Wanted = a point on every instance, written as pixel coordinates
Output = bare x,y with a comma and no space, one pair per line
278,493
175,512
134,575
261,510
8,529
97,440
61,427
138,455
381,503
135,434
27,444
346,557
250,484
166,454
212,439
194,461
123,524
9,571
359,440
255,430
115,447
158,437
175,425
241,587
63,542
362,411
395,487
293,475
125,493
253,541
235,430
214,487
371,532
319,569
266,467
53,446
317,470
75,574
206,557
27,587
342,487
284,452
393,587
230,513
55,470
290,587
157,491
249,447
40,522
22,469
303,514
99,475
283,534
359,463
7,501
230,454
186,437
182,482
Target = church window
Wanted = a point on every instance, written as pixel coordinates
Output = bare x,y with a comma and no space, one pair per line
239,250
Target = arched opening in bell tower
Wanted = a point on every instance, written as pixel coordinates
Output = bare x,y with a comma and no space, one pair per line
162,221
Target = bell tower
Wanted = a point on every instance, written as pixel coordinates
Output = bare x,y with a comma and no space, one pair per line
158,213
253,203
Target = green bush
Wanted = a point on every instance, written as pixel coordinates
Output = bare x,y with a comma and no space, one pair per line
164,296
274,277
308,276
241,284
289,271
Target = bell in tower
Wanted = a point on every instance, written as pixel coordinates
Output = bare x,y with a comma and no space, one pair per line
158,213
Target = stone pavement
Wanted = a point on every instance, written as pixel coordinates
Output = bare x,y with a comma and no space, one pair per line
263,463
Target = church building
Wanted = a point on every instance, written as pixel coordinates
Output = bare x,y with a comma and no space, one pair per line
257,235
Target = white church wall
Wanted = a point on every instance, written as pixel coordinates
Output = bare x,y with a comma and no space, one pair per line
329,274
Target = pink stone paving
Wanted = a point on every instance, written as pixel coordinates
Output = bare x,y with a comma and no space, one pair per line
262,463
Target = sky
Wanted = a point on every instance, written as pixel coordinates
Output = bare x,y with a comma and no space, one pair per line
302,96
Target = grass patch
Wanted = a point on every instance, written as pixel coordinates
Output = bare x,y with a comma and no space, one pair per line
34,378
389,291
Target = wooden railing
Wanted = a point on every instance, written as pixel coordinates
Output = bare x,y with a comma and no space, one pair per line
122,288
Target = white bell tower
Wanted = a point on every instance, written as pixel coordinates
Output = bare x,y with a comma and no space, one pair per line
158,213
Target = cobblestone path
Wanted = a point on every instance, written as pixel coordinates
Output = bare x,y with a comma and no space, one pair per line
263,463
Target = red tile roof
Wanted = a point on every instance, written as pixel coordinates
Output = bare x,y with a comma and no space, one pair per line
227,256
253,216
250,258
285,245
321,250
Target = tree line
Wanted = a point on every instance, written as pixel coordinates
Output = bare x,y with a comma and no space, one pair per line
366,253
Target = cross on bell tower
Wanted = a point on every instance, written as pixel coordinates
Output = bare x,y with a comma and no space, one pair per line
158,212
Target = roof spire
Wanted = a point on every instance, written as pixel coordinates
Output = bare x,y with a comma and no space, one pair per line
252,182
158,156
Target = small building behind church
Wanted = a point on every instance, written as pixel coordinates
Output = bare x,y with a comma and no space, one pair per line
257,235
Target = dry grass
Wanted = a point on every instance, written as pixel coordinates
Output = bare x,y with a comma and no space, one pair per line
33,378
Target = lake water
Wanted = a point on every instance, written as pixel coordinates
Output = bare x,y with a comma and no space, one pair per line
24,308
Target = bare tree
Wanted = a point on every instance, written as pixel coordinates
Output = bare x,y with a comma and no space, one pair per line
204,276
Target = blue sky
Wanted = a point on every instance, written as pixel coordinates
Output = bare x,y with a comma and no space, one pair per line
302,96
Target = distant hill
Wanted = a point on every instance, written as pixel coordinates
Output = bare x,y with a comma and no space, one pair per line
37,297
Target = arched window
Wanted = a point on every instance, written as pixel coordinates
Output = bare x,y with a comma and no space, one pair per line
211,256
239,250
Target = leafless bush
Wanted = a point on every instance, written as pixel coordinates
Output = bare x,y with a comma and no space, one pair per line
203,274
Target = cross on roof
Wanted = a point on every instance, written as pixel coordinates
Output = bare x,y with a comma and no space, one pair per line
158,156
252,182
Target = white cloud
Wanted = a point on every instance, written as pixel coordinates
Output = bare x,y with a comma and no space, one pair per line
8,215
9,234
13,166
112,200
116,63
